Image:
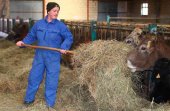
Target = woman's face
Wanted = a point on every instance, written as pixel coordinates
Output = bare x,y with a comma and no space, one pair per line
53,13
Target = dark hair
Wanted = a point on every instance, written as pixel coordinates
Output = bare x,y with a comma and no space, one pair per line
51,5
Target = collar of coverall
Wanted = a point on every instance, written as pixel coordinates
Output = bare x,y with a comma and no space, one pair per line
53,21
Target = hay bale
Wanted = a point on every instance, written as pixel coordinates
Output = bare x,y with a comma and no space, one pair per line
102,67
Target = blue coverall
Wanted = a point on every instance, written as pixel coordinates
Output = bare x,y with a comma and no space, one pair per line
51,34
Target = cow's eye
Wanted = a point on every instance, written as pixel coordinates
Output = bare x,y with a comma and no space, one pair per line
129,40
143,48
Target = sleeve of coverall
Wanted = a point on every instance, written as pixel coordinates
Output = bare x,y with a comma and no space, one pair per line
31,36
68,39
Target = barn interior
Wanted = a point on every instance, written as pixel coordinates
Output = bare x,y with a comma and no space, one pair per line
100,29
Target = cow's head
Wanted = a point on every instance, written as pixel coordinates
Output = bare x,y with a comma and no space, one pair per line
143,56
134,37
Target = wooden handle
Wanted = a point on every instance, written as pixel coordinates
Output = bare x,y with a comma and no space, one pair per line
47,48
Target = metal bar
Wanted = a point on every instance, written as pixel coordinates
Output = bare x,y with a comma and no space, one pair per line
135,18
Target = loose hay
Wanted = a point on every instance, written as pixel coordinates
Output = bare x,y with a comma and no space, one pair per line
14,67
101,81
101,65
5,44
15,64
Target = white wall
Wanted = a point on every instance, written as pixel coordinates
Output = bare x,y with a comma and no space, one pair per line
70,9
76,9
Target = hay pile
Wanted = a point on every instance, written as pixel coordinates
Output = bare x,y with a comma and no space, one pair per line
15,64
102,67
99,82
14,67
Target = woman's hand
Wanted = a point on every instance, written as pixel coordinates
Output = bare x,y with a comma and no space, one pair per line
19,43
63,51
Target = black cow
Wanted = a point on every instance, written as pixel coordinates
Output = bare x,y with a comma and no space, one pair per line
161,81
154,84
19,31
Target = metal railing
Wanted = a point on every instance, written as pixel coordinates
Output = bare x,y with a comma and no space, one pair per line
86,31
6,24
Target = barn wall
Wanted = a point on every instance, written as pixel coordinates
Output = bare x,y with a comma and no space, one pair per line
26,9
157,8
122,9
4,8
93,12
107,8
136,8
165,10
76,9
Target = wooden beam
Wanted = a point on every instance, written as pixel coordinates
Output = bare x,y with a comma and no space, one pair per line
44,8
87,10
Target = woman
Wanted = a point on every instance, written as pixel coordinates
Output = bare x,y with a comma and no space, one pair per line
48,32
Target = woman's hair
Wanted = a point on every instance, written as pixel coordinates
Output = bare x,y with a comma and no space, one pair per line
51,5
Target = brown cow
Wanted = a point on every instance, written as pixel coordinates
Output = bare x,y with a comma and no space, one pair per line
147,53
137,35
152,57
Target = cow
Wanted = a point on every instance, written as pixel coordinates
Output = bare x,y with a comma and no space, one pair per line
160,81
137,35
153,54
147,53
19,31
134,37
153,84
